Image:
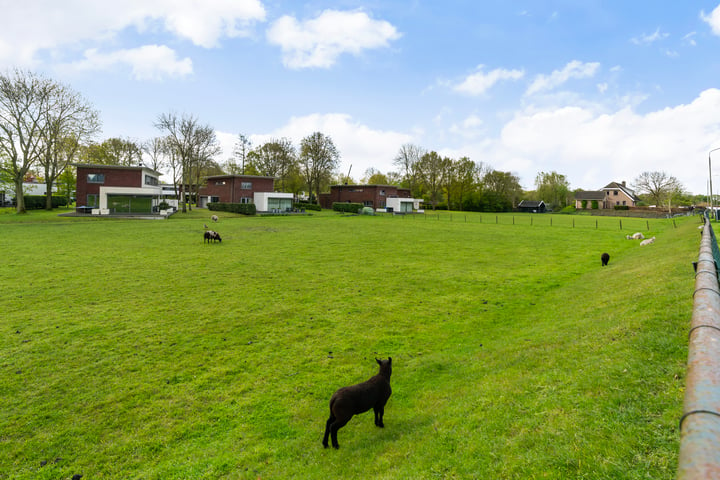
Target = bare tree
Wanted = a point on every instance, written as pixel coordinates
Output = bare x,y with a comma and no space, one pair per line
191,144
242,148
157,151
69,122
318,158
24,106
406,160
659,187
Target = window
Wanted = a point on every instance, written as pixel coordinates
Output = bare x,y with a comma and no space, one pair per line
92,200
150,180
368,203
615,192
96,178
624,202
246,200
214,199
246,185
382,193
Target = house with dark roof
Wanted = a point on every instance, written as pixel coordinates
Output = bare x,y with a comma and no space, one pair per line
611,195
532,206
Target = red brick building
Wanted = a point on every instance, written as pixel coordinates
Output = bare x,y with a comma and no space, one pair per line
107,189
244,189
375,196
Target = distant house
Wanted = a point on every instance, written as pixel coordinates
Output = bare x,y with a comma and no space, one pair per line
255,189
115,189
612,195
375,196
532,206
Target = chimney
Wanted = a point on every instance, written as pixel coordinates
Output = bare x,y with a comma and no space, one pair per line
623,183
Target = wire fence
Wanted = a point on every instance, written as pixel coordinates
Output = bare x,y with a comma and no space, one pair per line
699,456
587,222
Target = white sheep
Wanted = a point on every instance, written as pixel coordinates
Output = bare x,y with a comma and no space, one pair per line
214,218
638,236
647,241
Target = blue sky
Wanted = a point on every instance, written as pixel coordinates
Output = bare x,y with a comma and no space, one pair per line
599,91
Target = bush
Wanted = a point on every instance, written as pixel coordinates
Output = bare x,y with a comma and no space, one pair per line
37,202
568,209
583,204
163,205
347,207
242,208
622,207
594,204
307,206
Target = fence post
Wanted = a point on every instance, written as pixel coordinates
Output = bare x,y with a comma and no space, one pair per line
596,224
700,422
647,222
496,219
621,224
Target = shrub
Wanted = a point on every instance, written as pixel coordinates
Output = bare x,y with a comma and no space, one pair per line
307,206
163,205
242,208
594,204
622,207
347,207
37,202
583,204
568,209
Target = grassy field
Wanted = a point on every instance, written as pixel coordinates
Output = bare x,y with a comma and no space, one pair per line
130,349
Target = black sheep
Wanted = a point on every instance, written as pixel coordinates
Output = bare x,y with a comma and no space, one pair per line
214,236
355,399
604,258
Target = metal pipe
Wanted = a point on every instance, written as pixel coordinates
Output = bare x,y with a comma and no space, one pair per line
700,424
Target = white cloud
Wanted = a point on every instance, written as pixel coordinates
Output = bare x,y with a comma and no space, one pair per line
480,82
713,19
149,62
593,147
647,39
689,39
320,41
90,24
573,70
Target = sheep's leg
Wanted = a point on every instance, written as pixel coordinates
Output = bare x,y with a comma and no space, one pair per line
327,430
379,412
334,427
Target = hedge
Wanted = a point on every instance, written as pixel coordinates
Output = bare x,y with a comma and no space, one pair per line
37,202
307,206
622,207
347,207
243,208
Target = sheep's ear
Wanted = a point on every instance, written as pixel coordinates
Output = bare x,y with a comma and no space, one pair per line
379,362
389,359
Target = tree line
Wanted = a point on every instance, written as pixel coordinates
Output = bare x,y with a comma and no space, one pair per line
45,127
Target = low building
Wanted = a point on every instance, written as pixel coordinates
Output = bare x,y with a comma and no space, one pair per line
611,195
256,189
532,206
116,189
378,197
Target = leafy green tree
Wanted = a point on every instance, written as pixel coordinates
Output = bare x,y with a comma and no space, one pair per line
433,171
503,184
552,188
318,158
276,158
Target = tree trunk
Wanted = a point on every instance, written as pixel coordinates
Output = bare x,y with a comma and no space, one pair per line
19,198
48,194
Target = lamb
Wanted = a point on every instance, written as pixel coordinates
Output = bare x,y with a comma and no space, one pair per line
604,258
211,235
647,241
355,399
214,218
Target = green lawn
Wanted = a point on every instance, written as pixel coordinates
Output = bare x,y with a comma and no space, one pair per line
131,349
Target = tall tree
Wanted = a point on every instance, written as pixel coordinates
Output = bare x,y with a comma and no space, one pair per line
25,100
276,158
241,150
433,171
318,158
553,188
406,160
69,122
504,185
190,143
156,150
659,187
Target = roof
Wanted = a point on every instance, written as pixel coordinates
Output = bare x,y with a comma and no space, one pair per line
368,185
212,177
115,167
530,203
621,186
590,195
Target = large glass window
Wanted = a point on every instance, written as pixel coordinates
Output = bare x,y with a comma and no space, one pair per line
129,204
281,204
92,201
96,178
246,185
150,180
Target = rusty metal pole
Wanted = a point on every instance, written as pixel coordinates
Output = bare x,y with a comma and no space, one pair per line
700,424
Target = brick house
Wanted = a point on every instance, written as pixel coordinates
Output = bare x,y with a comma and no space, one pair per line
375,196
612,195
255,189
109,189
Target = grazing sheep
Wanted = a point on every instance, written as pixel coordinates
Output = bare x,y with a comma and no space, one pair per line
638,236
647,241
629,237
355,399
214,236
604,258
214,218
